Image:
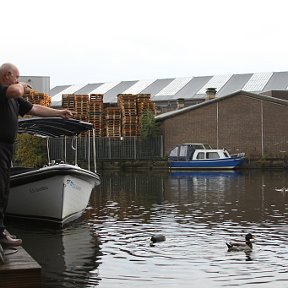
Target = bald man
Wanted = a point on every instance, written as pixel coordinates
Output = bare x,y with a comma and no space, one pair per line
13,104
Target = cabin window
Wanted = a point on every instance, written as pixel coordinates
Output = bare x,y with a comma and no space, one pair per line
183,151
200,155
212,155
174,152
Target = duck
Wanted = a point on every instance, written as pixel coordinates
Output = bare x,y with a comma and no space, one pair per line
158,238
241,246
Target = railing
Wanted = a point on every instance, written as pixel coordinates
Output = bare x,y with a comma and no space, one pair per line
108,148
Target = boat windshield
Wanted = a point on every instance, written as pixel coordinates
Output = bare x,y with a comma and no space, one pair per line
226,154
200,146
207,146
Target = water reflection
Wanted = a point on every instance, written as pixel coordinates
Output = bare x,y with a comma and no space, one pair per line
197,213
231,196
215,196
69,256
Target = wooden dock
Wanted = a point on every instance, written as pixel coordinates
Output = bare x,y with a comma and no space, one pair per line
19,270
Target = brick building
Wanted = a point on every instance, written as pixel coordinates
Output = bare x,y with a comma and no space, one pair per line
240,122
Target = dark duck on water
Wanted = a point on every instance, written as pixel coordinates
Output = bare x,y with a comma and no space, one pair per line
241,246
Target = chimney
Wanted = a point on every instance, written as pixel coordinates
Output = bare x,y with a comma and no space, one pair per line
180,103
211,93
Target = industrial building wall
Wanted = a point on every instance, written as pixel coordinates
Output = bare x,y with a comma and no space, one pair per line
240,124
275,130
39,83
198,125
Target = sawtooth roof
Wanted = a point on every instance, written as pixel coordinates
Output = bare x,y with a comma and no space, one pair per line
175,88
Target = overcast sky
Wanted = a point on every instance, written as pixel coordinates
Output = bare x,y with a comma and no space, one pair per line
93,41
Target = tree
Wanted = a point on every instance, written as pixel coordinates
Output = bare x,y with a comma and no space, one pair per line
30,151
149,126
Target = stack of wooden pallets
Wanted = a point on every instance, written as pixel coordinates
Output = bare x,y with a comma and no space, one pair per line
96,114
81,107
36,97
143,103
113,121
79,104
129,115
68,101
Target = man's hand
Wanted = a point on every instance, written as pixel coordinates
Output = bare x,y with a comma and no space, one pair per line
66,114
25,85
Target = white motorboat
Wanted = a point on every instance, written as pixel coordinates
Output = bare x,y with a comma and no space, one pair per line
58,192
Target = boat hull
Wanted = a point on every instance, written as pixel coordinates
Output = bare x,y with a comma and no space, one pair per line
56,193
228,163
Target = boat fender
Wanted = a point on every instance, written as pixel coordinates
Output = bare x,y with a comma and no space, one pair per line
158,238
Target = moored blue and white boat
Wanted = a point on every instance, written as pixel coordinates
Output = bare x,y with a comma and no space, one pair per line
202,156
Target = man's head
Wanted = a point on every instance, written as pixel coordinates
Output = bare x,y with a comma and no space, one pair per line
9,74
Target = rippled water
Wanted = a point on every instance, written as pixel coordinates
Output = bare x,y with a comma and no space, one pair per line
197,212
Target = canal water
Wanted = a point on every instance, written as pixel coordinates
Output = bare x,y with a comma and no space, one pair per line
197,212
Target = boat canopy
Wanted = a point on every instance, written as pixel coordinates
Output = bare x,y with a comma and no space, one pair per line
185,151
182,152
52,126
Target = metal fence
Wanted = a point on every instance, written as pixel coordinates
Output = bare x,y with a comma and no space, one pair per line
107,148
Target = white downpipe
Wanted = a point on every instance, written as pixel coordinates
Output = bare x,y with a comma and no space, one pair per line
217,124
262,130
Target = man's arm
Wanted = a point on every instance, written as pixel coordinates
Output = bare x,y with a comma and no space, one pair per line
15,90
43,111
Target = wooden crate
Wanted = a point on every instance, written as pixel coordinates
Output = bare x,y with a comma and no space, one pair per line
96,97
68,101
36,97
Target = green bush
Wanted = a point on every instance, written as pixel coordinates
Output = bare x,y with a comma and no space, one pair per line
148,124
30,151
